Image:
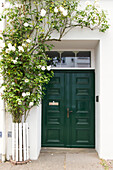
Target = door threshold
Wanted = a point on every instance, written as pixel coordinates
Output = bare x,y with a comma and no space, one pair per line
70,150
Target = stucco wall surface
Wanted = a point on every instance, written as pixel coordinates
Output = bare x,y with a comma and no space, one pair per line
1,102
104,80
103,52
34,122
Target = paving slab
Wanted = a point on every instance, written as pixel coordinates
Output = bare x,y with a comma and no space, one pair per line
63,159
83,161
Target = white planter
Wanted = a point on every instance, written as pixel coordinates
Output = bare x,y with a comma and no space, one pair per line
20,142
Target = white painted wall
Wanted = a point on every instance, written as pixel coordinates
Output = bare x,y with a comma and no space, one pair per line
104,87
106,90
104,81
2,115
8,139
1,122
34,121
97,93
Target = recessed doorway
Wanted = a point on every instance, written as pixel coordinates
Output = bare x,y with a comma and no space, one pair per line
68,118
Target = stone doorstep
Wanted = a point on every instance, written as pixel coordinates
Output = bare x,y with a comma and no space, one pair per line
19,162
64,150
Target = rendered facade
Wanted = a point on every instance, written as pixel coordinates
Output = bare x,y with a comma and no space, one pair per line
101,47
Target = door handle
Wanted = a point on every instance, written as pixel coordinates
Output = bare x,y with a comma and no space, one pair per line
68,112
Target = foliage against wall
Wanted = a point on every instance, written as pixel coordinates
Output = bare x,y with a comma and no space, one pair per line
23,55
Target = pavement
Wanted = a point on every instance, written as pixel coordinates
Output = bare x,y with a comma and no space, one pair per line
63,159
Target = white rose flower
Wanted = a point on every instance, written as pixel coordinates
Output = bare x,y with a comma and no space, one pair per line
27,93
85,19
87,2
65,12
22,15
39,66
48,68
1,57
1,80
7,50
20,48
31,104
43,68
61,9
14,61
5,12
26,24
99,10
7,5
19,5
19,102
2,89
31,25
12,48
9,45
23,94
43,12
26,80
55,9
79,8
2,45
97,4
23,44
28,40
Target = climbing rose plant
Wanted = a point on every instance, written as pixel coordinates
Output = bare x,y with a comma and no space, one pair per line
29,26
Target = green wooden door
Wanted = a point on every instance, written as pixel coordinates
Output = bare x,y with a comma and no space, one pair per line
68,110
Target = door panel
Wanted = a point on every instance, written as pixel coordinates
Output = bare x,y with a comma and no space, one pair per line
83,109
73,91
53,112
